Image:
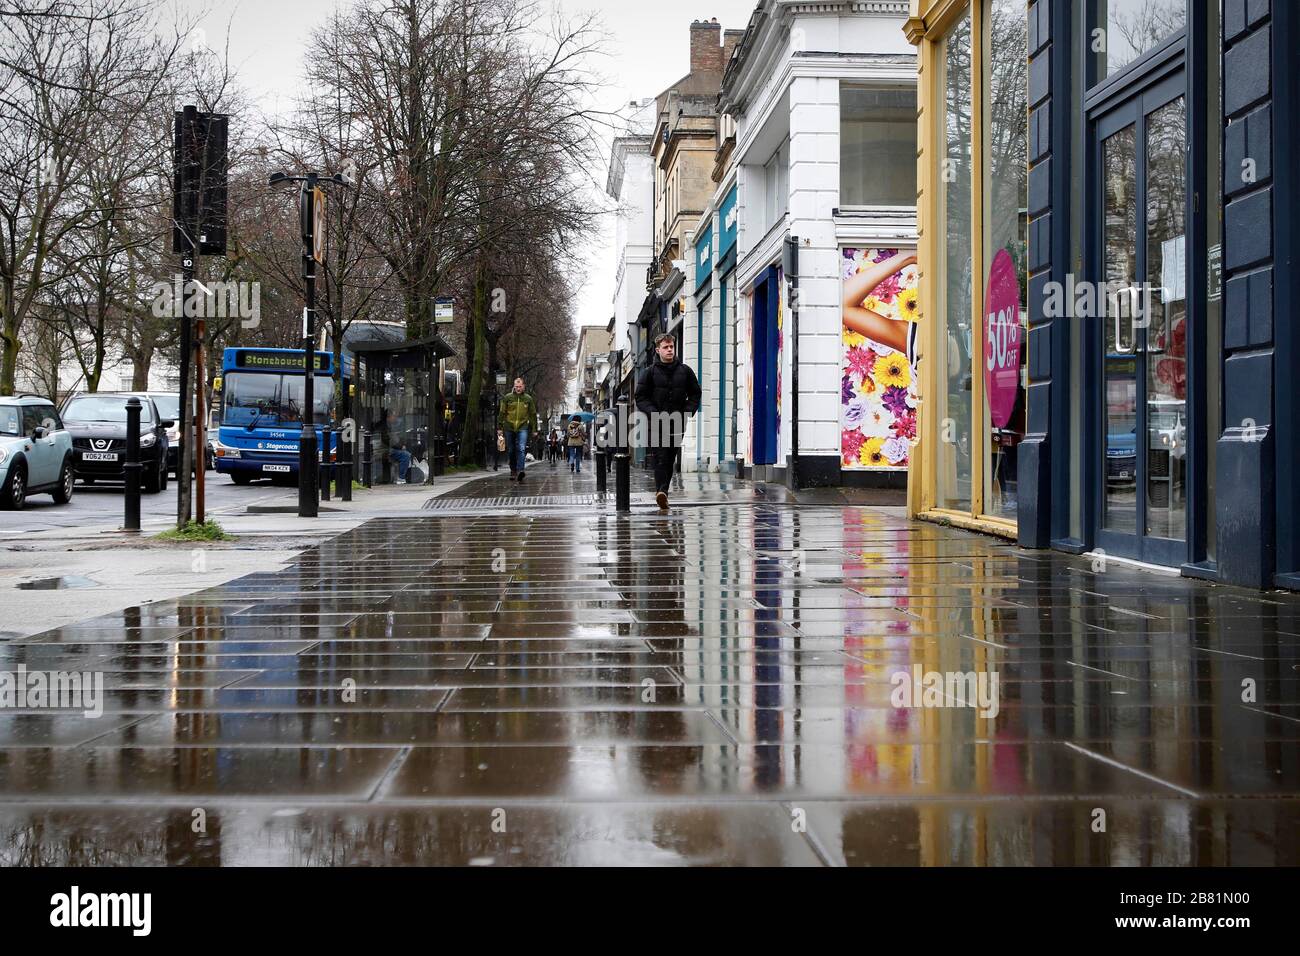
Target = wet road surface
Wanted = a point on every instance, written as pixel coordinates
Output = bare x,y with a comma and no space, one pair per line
520,676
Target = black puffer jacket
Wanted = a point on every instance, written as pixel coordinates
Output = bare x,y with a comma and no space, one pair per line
668,388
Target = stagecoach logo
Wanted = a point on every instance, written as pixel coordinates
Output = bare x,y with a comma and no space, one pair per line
100,444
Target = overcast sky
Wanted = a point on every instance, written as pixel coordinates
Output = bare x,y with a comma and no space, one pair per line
648,50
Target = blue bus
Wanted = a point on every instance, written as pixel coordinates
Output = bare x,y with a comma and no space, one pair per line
262,410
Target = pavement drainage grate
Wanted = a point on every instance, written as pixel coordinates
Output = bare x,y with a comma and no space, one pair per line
517,501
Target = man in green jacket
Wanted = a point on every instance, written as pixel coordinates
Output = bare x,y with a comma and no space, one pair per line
516,418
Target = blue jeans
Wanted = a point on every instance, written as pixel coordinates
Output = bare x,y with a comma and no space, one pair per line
517,448
402,458
575,457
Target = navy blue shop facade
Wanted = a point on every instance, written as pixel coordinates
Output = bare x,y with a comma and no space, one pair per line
1164,418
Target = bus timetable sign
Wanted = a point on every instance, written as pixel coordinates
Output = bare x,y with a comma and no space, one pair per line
278,361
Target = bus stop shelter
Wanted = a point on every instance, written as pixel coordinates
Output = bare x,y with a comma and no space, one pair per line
399,402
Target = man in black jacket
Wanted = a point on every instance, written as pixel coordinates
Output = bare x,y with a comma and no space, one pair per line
667,393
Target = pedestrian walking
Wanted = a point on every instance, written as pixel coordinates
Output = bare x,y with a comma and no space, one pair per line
667,393
553,446
515,419
576,439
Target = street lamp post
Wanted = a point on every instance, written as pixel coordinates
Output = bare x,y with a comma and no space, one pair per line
311,208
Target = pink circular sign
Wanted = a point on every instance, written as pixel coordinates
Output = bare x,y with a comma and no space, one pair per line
1001,338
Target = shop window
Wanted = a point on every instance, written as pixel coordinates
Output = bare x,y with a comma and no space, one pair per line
952,383
1122,30
1006,188
877,146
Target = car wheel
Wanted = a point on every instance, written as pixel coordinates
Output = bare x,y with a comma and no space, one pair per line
67,481
14,493
153,481
241,477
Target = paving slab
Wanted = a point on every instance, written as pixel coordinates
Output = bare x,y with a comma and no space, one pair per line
751,677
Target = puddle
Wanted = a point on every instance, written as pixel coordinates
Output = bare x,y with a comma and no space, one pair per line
64,583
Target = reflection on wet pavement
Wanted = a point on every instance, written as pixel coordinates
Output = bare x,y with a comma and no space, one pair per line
718,685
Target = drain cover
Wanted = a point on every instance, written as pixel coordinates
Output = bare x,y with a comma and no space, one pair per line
517,501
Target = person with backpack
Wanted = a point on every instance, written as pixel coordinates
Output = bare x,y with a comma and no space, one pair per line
515,419
667,394
576,439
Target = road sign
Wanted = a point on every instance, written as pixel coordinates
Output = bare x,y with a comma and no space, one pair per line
318,224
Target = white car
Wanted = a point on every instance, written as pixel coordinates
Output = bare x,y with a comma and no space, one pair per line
35,452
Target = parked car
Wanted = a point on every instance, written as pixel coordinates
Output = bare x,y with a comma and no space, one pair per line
97,423
36,454
169,407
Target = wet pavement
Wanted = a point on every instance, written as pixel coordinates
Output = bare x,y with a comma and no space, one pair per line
518,675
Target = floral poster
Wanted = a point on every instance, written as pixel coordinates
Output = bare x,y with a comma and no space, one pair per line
878,376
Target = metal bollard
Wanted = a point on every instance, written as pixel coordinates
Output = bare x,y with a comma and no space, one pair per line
367,457
599,457
326,464
345,470
623,462
308,471
131,468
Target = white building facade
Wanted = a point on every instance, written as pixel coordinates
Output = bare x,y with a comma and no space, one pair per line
630,184
818,188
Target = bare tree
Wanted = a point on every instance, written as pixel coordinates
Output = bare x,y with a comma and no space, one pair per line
64,66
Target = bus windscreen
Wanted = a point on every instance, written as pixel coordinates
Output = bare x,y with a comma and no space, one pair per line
259,399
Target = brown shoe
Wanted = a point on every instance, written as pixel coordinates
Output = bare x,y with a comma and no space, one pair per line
661,498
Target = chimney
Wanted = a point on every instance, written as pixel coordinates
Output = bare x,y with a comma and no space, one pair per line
729,40
706,50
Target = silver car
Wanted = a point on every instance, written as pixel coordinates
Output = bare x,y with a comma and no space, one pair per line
35,452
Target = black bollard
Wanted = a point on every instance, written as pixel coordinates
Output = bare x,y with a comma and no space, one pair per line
345,465
599,458
326,463
308,470
367,461
623,462
131,469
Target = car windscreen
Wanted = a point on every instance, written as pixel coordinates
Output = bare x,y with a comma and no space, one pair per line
169,406
11,420
258,399
103,408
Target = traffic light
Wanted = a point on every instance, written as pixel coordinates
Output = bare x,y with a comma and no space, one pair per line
199,184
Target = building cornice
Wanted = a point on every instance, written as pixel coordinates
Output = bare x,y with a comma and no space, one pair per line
623,145
770,24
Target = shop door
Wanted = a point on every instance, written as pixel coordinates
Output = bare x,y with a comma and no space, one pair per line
1140,208
766,354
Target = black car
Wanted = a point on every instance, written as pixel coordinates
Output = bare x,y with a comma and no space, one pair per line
97,424
169,407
